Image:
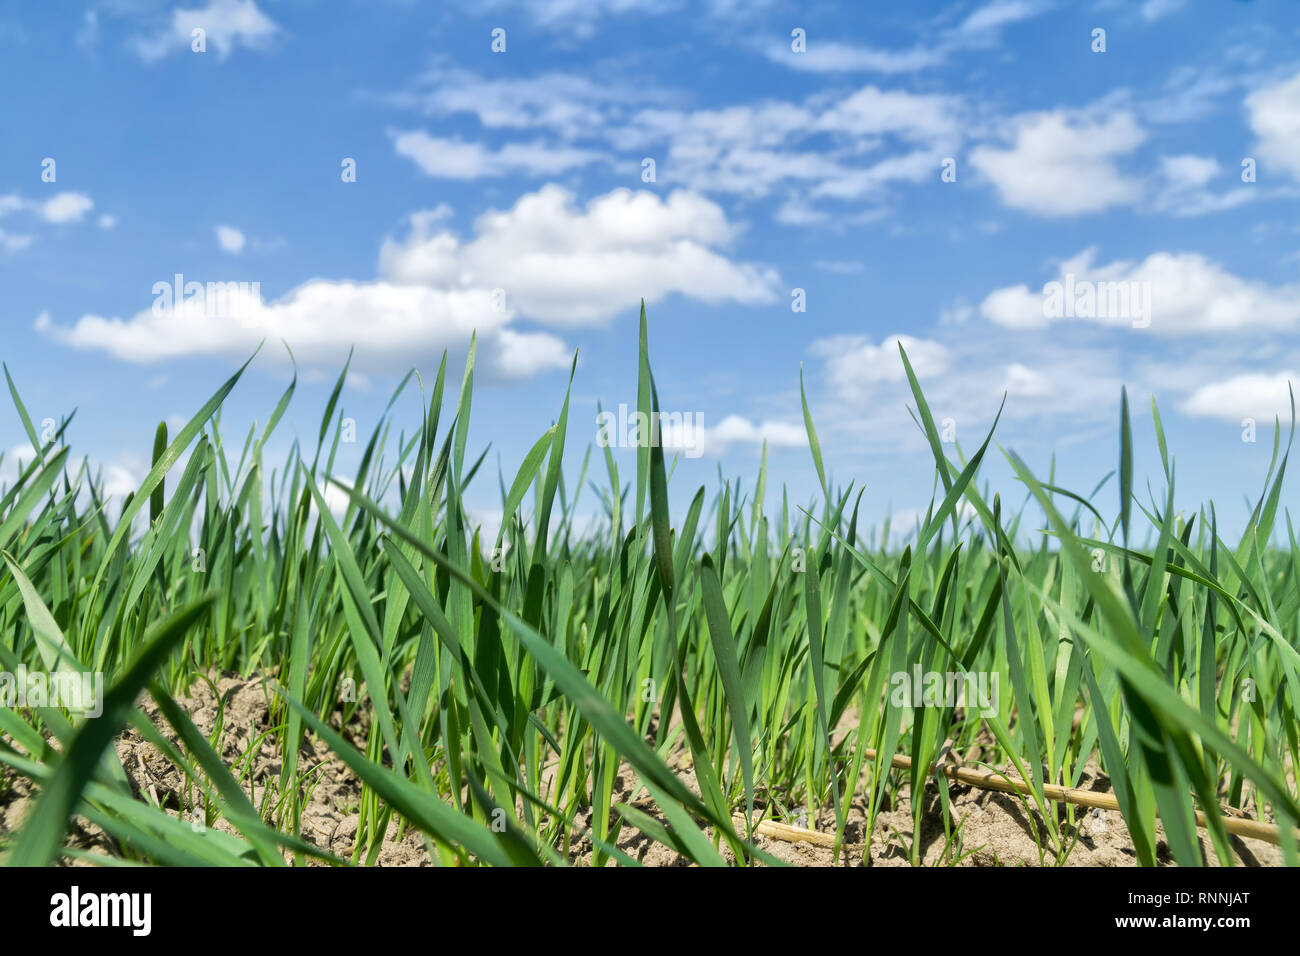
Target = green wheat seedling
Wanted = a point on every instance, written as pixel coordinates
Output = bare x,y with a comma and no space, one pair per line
540,697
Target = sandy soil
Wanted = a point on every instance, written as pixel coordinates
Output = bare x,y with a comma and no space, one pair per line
995,828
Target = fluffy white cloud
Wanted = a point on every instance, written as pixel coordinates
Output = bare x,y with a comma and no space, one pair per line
520,355
1186,294
855,366
226,25
60,208
336,499
231,239
689,434
735,429
871,111
555,262
1189,172
1274,116
391,326
1064,164
565,265
66,207
1021,381
1256,395
456,159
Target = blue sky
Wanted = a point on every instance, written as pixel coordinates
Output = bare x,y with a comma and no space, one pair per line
795,147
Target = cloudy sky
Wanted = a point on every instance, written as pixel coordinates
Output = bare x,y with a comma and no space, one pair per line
786,185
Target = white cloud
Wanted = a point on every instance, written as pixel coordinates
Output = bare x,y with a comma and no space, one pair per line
860,392
392,326
564,265
959,313
570,105
835,57
66,207
1274,116
557,263
16,459
581,18
1256,395
838,146
521,355
688,433
578,16
1188,294
107,222
12,242
62,208
1064,164
799,212
120,479
988,20
1153,10
735,429
855,366
875,137
1021,381
982,28
227,24
336,499
1015,307
1184,192
456,159
1189,172
230,240
114,479
1190,93
913,117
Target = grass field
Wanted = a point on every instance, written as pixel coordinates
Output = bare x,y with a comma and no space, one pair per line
490,695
